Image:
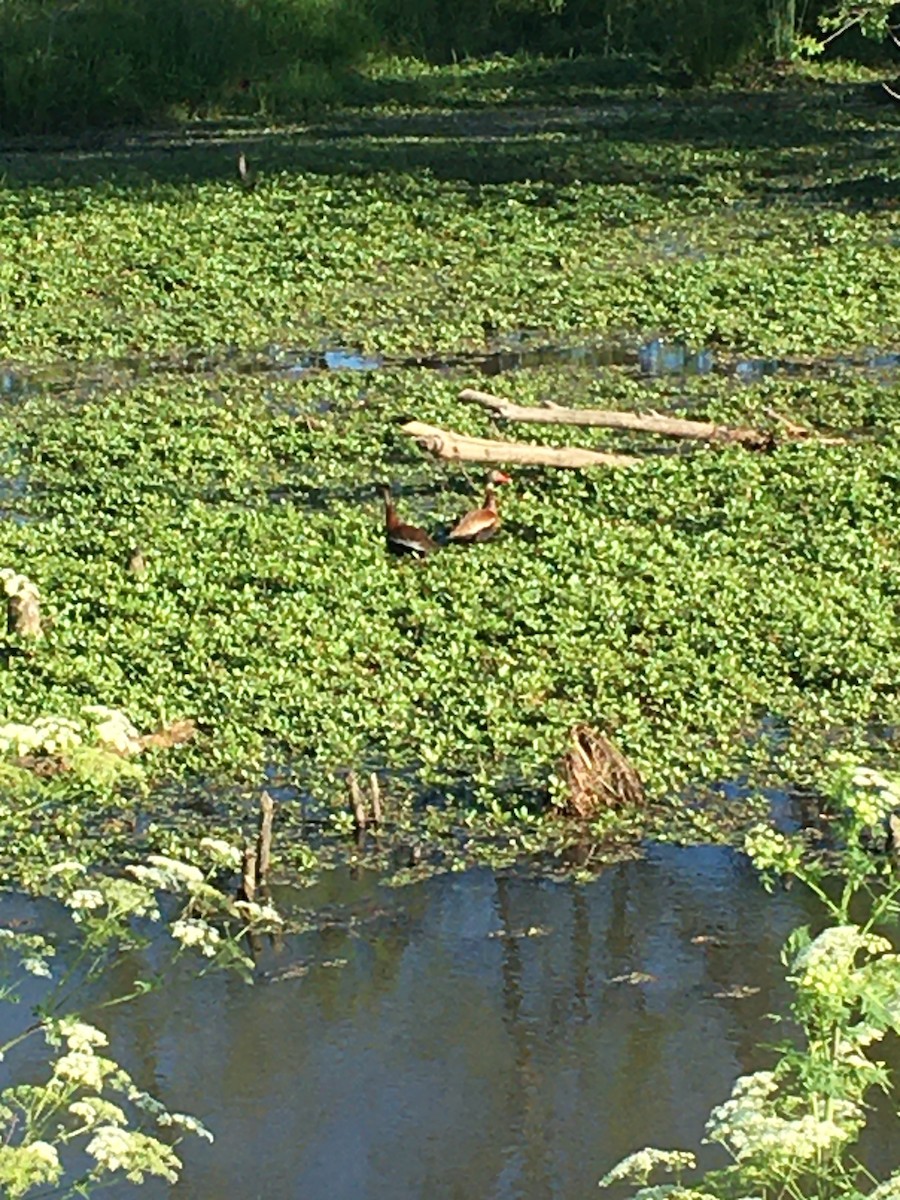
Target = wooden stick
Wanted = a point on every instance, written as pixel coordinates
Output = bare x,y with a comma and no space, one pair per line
376,799
457,447
248,874
801,433
360,815
264,840
675,427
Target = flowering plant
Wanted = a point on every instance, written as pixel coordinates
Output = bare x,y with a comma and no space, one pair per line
89,1101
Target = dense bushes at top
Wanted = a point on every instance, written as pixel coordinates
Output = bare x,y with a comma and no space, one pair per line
73,64
70,65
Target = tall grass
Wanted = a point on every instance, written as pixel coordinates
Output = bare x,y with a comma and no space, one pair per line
66,65
73,64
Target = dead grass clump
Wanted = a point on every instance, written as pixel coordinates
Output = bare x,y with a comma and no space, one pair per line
597,775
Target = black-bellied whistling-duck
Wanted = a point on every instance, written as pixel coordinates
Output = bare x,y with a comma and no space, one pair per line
402,538
482,523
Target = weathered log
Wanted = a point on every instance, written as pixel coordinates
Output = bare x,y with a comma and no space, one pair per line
674,427
457,447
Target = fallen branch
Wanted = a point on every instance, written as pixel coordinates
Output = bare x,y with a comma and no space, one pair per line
675,427
457,447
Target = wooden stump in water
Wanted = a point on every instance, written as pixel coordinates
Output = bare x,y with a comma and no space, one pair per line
598,776
23,604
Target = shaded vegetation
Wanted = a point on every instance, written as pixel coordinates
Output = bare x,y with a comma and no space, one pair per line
92,63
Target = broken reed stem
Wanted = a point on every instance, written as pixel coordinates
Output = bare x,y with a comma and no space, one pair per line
376,799
264,839
360,814
248,874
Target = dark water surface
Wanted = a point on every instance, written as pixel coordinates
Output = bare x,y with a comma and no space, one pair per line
504,1038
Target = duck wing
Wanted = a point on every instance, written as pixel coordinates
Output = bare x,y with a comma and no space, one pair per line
476,526
409,539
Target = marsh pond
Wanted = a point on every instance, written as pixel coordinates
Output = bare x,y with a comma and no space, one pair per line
550,808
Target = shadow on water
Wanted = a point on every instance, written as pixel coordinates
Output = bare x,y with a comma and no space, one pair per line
472,1035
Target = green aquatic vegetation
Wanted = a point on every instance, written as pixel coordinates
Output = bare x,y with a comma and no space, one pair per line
683,605
759,222
726,616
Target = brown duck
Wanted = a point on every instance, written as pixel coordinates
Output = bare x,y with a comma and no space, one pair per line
481,524
402,538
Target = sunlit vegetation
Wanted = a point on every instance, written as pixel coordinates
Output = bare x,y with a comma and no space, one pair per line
722,615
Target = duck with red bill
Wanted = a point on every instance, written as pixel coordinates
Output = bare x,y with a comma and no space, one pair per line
481,524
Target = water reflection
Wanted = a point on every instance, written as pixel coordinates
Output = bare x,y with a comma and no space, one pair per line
498,1037
658,357
652,358
474,1044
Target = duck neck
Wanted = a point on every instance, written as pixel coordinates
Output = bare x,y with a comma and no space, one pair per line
390,516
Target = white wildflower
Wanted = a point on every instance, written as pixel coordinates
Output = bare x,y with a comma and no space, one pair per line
824,965
191,931
84,1068
110,1146
127,897
79,1035
152,877
221,852
21,738
867,777
37,966
636,1167
94,1111
85,898
749,1125
177,871
48,734
113,729
144,1101
137,1154
674,1191
43,1152
888,1189
258,913
30,1165
68,866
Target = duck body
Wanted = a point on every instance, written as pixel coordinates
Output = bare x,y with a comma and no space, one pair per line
400,537
481,524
